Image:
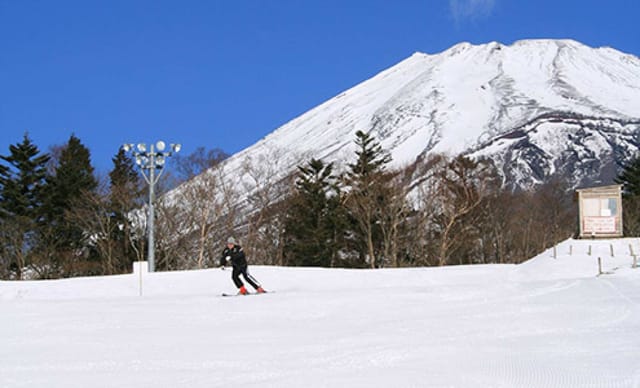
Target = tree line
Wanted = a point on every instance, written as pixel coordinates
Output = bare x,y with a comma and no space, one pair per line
436,211
59,219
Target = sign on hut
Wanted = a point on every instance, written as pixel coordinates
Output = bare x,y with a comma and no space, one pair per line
600,211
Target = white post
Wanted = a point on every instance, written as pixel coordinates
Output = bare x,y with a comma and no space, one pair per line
140,267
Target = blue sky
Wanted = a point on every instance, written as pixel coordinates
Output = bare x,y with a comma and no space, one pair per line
223,74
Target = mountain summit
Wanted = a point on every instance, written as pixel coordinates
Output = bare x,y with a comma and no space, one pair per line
537,108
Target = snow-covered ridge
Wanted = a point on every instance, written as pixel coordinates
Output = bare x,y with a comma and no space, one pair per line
574,146
469,96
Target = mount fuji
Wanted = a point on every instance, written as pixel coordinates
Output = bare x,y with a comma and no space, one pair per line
537,108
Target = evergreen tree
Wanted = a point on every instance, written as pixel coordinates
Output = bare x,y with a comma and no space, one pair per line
124,196
629,178
371,161
124,184
365,198
21,195
72,182
310,231
4,174
22,184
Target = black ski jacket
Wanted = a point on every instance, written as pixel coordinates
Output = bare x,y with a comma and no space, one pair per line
236,257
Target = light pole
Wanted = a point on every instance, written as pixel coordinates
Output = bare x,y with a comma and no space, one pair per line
149,161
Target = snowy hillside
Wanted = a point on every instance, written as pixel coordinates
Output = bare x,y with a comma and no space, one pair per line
549,322
536,107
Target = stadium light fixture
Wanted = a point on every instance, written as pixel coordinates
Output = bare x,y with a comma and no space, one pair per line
150,161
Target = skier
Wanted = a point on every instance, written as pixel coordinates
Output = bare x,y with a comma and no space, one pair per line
233,253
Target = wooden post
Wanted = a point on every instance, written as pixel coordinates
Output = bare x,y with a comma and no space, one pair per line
571,250
631,250
555,253
611,246
635,262
599,266
589,250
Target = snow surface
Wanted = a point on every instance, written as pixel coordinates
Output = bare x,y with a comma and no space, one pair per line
549,322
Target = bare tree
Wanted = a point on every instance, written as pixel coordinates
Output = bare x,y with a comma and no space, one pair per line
546,216
15,246
200,211
394,212
197,162
266,187
173,238
461,189
498,214
91,213
425,201
205,201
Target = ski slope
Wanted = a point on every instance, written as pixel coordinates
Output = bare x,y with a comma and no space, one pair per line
549,322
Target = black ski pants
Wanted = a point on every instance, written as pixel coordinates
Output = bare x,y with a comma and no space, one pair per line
244,271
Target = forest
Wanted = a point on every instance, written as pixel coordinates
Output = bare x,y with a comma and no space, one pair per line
59,218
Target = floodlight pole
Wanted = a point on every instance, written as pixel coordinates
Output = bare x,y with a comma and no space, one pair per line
151,255
151,160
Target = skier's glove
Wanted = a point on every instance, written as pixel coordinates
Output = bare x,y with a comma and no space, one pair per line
228,258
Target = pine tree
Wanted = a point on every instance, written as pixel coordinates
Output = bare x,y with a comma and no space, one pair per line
629,178
68,187
365,199
22,185
124,184
4,174
21,196
124,196
310,225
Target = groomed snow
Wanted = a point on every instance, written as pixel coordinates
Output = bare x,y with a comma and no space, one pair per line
549,322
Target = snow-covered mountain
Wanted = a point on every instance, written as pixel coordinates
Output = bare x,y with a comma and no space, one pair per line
536,107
